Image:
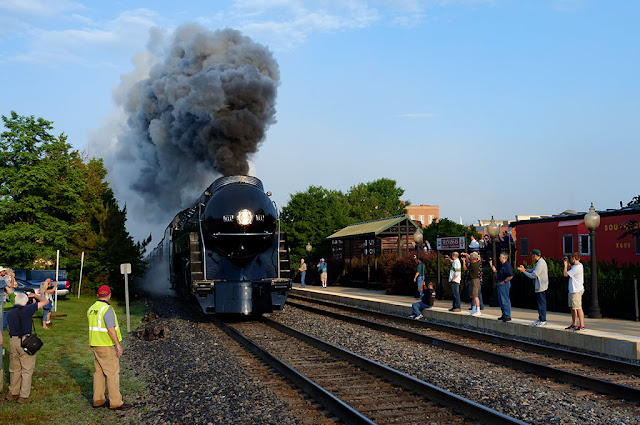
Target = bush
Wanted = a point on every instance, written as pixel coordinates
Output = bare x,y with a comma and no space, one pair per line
399,276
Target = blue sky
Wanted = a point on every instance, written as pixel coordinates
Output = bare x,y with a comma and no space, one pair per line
484,108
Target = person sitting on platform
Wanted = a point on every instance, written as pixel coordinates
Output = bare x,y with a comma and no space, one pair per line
428,299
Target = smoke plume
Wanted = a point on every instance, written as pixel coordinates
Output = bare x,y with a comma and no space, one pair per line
195,108
205,107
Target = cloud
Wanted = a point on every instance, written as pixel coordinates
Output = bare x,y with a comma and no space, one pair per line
286,24
40,7
126,33
419,115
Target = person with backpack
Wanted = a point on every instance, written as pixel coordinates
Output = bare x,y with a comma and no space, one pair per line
21,364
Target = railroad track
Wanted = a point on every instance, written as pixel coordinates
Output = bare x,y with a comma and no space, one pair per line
354,389
607,376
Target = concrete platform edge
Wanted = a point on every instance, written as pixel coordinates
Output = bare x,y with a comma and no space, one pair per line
599,342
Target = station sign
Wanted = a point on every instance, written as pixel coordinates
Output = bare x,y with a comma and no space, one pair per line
451,243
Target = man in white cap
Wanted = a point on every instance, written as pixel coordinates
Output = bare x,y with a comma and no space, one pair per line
322,269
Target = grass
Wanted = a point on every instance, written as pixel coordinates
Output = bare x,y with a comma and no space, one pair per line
62,387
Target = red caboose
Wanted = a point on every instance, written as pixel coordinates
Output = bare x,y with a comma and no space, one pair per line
564,234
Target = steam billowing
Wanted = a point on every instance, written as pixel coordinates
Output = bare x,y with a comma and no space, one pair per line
204,108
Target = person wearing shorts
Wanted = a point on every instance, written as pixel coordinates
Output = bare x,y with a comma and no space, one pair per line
322,269
472,263
576,289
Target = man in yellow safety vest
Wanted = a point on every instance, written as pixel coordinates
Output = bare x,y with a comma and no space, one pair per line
104,334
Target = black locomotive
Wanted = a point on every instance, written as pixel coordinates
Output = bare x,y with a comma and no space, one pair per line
227,250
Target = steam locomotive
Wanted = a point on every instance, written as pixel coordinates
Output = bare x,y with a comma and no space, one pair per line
227,250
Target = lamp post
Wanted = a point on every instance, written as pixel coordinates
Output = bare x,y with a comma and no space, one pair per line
418,238
592,221
493,231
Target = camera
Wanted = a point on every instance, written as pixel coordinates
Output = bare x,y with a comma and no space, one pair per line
31,300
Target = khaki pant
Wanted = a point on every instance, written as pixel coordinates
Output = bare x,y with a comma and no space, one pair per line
107,366
21,367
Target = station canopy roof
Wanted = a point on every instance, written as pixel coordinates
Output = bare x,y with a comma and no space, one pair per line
371,228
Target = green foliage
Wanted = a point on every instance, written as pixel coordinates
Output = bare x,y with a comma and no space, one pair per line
445,228
62,385
606,270
311,216
53,199
374,200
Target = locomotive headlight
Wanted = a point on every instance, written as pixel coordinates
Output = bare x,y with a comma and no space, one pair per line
244,217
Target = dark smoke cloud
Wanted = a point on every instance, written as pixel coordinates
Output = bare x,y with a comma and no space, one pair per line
203,109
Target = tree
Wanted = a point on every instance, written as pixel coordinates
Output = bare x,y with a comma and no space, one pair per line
40,186
445,227
377,199
311,216
53,199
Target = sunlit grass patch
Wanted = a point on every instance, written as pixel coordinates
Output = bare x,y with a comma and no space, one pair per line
62,387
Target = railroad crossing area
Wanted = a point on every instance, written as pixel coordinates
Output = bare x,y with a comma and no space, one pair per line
611,337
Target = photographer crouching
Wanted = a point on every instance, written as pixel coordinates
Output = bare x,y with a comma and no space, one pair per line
21,364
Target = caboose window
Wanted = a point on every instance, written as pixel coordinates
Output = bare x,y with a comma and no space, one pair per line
524,247
584,244
567,244
637,243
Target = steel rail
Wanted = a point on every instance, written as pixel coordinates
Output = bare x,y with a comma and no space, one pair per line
593,384
592,359
334,404
446,398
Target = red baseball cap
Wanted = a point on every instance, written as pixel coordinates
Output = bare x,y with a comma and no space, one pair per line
103,291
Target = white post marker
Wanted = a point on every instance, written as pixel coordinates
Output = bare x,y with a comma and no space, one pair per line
125,269
80,281
55,306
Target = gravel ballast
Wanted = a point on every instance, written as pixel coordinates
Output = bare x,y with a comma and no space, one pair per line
516,394
192,378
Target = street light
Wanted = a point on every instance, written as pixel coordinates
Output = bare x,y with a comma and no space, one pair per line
592,221
493,231
418,238
308,247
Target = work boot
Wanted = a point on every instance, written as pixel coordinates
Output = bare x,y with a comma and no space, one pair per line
23,400
123,406
11,396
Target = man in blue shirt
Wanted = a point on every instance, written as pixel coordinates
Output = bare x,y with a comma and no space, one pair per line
505,274
322,269
21,364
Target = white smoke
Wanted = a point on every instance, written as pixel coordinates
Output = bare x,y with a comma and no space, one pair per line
195,108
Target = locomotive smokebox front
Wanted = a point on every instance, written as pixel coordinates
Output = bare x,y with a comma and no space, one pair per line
239,221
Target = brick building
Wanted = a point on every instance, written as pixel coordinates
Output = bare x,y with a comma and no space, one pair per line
425,214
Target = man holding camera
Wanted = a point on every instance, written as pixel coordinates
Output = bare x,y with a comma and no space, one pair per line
576,289
21,364
540,275
455,275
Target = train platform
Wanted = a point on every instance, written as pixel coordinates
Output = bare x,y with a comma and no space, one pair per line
612,337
